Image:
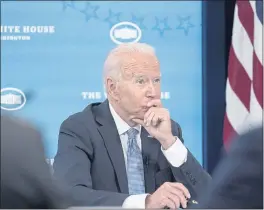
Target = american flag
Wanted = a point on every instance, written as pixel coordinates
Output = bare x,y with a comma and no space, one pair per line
244,87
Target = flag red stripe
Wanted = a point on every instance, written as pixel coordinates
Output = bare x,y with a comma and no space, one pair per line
258,79
246,17
229,131
239,79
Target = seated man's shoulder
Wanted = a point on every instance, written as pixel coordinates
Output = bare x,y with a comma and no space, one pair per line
250,141
16,122
81,117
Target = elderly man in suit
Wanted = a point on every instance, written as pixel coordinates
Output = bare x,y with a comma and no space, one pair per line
127,151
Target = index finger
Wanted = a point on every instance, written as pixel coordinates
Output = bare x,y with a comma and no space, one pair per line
181,187
155,103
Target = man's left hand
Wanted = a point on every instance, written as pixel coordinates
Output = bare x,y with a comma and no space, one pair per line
158,124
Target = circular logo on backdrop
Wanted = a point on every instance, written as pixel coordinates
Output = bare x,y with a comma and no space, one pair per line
12,99
125,32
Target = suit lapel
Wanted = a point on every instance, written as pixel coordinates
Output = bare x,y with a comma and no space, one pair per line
112,142
150,152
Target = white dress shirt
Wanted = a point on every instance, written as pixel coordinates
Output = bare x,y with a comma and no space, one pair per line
176,154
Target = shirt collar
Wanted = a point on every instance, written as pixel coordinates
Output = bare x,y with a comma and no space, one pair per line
121,125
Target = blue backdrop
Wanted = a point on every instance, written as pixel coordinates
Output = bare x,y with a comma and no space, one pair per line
53,53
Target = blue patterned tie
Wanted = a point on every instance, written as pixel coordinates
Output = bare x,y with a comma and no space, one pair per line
135,169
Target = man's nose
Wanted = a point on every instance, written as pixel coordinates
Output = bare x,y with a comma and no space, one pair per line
151,92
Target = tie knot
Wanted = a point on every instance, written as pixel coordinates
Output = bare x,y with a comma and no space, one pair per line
132,132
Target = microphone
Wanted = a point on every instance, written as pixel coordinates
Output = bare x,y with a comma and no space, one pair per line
146,160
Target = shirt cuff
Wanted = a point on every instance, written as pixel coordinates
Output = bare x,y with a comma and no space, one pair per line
176,154
135,201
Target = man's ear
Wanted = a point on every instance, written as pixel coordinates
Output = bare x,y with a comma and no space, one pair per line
112,88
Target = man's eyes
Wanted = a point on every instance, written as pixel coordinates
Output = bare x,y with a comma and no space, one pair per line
143,81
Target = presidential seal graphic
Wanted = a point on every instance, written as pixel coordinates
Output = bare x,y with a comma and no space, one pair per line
125,32
12,99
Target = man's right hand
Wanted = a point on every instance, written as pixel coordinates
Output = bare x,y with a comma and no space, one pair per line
172,195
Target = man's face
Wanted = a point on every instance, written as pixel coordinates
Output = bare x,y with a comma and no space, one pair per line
140,84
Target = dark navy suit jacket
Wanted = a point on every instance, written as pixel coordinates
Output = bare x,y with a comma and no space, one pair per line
90,159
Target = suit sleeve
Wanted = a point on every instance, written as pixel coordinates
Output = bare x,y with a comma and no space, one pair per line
72,164
190,173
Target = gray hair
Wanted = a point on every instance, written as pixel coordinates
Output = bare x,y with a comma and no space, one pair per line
112,64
